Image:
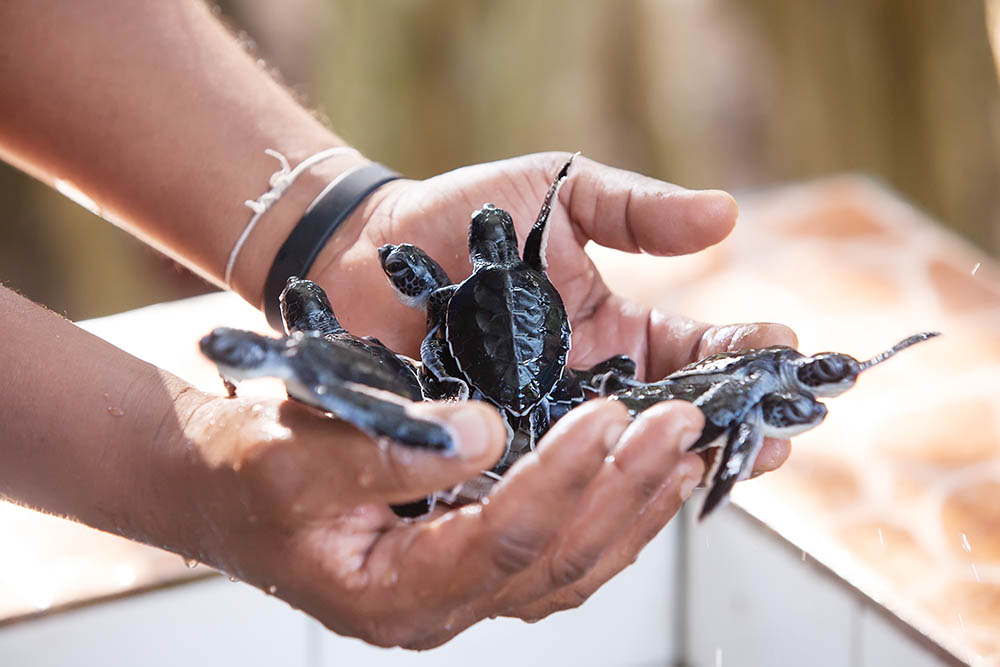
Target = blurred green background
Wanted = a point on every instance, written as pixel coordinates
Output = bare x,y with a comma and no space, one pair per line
734,94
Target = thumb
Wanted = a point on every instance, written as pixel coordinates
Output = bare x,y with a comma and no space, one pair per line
402,474
631,212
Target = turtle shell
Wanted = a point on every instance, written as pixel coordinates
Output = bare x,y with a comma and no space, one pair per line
509,334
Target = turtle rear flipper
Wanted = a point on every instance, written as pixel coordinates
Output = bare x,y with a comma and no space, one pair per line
305,307
534,245
608,376
377,416
734,463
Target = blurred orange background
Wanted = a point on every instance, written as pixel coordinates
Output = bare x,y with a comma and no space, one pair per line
705,93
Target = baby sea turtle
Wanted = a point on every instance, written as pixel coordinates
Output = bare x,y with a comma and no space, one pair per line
503,332
306,309
421,282
747,396
330,374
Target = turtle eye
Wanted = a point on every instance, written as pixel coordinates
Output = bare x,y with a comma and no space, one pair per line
397,267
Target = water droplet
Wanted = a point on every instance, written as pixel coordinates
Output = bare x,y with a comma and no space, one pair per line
106,396
272,589
321,390
484,501
881,538
965,543
610,458
257,408
366,478
116,412
975,573
191,563
975,268
390,578
234,580
41,600
123,574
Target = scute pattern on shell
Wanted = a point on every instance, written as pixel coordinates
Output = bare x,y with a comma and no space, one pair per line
509,333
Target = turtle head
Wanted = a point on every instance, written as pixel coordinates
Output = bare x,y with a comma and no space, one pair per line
828,373
240,354
832,373
305,307
492,239
787,415
412,273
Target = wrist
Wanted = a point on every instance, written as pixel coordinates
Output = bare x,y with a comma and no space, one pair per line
256,256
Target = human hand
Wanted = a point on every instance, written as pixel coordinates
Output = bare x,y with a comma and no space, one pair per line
609,206
278,496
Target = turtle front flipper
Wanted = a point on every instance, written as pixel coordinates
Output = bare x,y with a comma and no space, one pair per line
728,401
442,385
534,245
376,416
735,462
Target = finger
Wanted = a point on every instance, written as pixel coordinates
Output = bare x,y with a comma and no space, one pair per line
735,337
661,343
644,459
473,550
627,211
772,455
654,517
328,459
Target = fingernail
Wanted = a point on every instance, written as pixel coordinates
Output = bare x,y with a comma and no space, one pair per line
688,436
613,432
474,426
687,486
473,430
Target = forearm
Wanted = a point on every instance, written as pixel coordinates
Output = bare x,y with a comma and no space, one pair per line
88,431
157,114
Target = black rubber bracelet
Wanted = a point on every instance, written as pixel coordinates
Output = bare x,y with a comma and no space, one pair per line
311,233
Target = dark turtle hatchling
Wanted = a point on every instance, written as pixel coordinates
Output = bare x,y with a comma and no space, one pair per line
746,396
338,379
306,309
419,281
503,331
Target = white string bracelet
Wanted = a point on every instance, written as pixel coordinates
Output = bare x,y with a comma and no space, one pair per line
280,181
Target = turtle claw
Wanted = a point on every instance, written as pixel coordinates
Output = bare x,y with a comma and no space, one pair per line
229,385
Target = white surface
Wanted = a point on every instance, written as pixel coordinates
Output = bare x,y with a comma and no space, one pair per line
211,622
882,643
754,603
